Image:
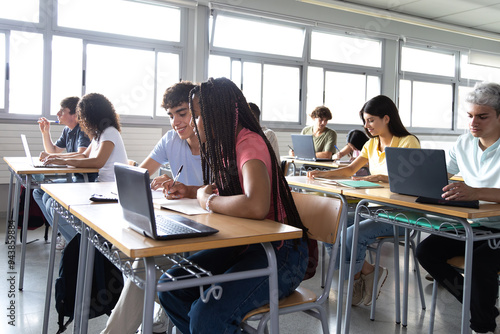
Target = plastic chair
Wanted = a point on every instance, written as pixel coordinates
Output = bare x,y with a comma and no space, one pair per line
321,215
376,248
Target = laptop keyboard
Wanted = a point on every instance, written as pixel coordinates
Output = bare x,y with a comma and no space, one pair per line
167,226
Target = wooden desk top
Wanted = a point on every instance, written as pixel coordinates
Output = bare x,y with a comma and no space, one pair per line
68,194
107,221
386,196
332,164
20,165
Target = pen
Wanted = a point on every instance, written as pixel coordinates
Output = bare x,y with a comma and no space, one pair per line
50,121
336,148
177,175
290,147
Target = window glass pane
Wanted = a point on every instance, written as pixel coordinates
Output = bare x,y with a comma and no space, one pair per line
372,87
477,72
463,108
314,90
404,106
236,72
432,105
252,89
428,62
2,71
26,70
25,10
66,70
219,66
257,36
167,75
346,50
281,93
124,76
344,96
129,18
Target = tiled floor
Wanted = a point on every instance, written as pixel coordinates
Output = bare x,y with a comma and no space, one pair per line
29,304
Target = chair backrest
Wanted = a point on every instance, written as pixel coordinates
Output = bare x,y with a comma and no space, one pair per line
320,214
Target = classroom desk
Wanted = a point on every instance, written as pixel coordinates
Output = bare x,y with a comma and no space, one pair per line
104,223
386,197
291,161
22,171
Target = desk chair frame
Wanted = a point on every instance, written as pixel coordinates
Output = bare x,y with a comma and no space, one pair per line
322,216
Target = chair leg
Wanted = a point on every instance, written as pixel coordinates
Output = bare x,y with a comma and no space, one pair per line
419,277
433,307
323,265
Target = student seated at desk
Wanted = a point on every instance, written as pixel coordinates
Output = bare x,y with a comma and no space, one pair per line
100,122
384,127
73,139
325,139
179,147
476,155
242,179
356,139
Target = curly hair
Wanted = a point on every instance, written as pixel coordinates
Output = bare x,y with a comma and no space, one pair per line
177,94
95,114
321,112
223,106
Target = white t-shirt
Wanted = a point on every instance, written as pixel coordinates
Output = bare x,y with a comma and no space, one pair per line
107,172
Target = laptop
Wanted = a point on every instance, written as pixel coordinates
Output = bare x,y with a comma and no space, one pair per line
303,147
422,173
38,163
135,198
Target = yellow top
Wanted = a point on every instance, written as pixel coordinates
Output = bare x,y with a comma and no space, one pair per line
376,158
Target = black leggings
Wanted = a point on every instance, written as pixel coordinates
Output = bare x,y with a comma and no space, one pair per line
432,254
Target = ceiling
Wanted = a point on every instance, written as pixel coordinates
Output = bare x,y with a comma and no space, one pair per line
481,15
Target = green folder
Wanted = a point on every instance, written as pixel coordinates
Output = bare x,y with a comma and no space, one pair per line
435,222
359,184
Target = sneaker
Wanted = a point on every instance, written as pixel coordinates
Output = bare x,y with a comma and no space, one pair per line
160,322
357,294
60,242
382,276
429,278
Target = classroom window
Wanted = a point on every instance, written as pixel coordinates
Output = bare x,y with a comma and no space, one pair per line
462,116
67,54
2,71
427,62
258,36
128,18
478,72
345,50
168,73
25,73
426,104
26,10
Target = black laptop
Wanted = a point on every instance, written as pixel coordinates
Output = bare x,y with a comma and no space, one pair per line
135,198
303,147
422,173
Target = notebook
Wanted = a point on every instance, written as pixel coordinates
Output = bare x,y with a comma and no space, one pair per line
303,147
422,173
135,198
435,222
36,164
358,184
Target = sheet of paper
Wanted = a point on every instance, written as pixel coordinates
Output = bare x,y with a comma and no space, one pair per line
188,206
157,194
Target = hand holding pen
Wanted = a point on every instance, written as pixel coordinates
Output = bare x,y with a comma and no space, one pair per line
168,188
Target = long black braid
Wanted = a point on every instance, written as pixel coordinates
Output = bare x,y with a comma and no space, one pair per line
223,106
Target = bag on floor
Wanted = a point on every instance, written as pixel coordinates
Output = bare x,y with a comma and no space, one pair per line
35,215
107,284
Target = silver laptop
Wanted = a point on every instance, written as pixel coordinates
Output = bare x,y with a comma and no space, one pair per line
420,172
303,147
135,198
37,163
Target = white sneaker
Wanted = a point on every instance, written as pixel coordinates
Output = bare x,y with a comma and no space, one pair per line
60,242
161,321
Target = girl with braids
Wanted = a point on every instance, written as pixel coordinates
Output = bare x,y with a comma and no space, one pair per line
242,179
100,122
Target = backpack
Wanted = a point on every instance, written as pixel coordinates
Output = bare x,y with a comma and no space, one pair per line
107,284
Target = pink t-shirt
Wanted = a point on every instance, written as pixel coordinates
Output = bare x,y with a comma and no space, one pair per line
249,146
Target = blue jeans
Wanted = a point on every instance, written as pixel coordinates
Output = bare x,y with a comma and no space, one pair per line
191,315
368,233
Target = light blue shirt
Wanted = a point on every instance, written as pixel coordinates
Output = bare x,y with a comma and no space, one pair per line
174,150
479,169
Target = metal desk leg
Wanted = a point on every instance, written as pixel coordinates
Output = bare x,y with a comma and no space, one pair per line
273,288
467,277
397,288
340,287
50,274
405,277
8,217
149,295
17,194
25,229
87,287
82,260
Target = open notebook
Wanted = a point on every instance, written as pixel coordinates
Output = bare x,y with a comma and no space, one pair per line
135,198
